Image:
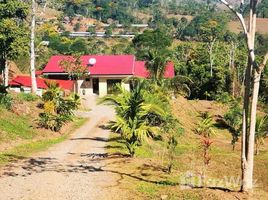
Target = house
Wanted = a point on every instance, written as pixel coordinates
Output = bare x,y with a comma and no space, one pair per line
104,71
23,83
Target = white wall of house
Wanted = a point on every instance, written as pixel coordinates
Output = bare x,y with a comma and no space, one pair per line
85,91
27,90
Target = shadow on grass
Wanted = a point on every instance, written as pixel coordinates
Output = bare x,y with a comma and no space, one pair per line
47,164
208,187
152,167
221,124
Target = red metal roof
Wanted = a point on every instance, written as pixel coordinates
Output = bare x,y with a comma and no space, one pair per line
141,71
105,64
170,72
108,65
26,82
111,64
65,84
38,72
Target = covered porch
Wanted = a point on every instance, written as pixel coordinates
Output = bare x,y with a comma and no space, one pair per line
100,85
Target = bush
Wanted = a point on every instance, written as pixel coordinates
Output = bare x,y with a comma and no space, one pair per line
52,121
144,112
233,119
225,98
57,109
5,99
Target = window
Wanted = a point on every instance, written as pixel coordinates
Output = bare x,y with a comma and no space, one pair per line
111,86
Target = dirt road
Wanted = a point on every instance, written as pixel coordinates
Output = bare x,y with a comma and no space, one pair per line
68,170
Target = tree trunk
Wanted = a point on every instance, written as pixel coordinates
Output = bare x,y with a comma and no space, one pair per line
76,89
6,73
245,125
211,60
249,118
232,68
247,171
33,78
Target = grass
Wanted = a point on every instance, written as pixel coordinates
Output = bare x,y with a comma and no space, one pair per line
13,126
145,176
25,150
27,97
16,127
149,189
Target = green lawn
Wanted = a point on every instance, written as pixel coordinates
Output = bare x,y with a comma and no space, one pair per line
30,146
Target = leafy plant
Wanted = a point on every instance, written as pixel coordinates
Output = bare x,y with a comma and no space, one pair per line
171,146
261,132
74,67
204,127
225,97
58,110
137,117
233,119
5,99
205,130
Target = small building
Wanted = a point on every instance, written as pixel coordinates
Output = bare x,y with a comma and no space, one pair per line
104,71
22,83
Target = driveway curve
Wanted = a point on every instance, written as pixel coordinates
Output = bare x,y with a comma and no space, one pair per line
68,170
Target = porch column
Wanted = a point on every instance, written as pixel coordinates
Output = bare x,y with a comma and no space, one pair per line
102,87
125,85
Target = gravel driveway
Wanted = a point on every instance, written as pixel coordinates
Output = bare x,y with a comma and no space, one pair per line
68,170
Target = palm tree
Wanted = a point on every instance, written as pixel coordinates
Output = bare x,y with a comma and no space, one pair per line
136,115
261,133
156,63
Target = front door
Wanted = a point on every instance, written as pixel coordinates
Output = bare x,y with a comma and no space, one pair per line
95,85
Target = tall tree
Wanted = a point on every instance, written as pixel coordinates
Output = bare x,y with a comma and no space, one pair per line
33,78
253,72
153,47
13,35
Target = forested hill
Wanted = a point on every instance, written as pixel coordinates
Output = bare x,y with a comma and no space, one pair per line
76,15
190,25
127,11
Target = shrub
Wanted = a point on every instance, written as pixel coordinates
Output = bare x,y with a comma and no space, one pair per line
58,110
261,132
233,119
52,121
225,97
5,99
204,127
143,112
49,107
